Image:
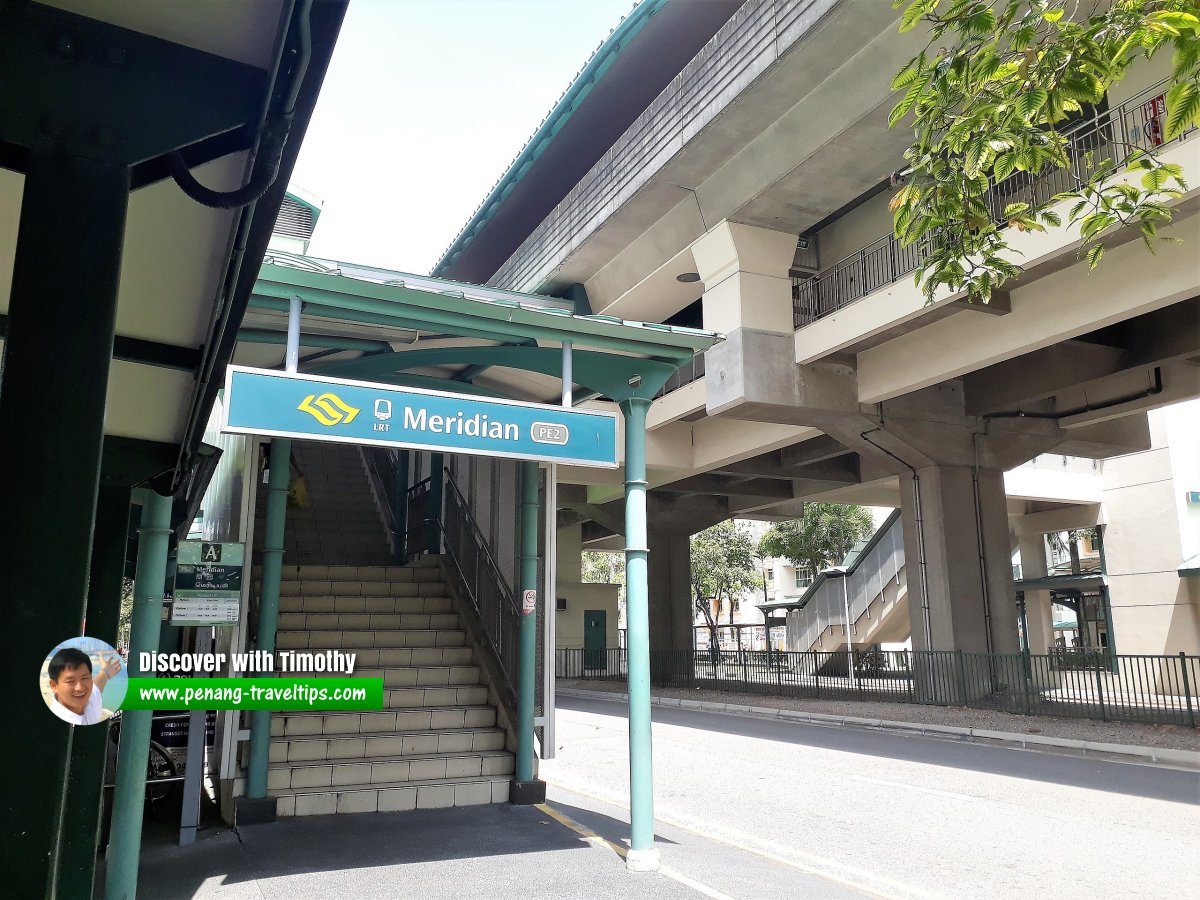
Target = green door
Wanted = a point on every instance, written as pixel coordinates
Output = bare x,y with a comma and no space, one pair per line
594,632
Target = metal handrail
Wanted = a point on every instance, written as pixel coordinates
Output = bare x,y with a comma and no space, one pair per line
885,261
499,626
476,532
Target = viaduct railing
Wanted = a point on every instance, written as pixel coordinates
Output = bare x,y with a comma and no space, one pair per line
1105,138
1159,690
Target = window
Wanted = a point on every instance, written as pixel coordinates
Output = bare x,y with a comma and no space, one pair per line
803,578
770,576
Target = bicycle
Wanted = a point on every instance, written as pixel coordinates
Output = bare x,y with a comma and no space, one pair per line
159,766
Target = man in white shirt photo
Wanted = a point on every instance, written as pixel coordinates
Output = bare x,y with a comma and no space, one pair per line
77,697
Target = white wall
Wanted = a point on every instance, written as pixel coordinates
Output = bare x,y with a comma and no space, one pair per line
1150,530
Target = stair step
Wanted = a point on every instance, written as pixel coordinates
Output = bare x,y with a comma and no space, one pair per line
420,697
412,657
387,721
410,743
398,797
428,588
345,772
359,573
290,621
420,676
354,639
360,604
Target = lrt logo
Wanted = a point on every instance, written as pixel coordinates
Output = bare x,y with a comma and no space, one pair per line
328,409
549,433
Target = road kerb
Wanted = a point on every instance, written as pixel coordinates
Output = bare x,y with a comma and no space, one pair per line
1185,758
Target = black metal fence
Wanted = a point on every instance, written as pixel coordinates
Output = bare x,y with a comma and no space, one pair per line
473,571
1148,689
1102,139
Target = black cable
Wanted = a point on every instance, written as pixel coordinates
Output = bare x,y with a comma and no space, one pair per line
270,151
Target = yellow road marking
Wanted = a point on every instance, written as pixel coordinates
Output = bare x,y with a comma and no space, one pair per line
596,840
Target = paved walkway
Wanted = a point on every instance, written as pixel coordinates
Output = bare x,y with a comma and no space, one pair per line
570,848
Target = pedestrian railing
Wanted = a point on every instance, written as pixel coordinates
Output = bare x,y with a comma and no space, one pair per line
1103,139
1148,689
690,371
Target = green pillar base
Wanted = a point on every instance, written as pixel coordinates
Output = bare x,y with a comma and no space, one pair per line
250,811
526,793
643,860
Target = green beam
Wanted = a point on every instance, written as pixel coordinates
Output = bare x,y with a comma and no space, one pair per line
642,854
325,311
611,374
321,341
454,309
508,325
124,848
268,607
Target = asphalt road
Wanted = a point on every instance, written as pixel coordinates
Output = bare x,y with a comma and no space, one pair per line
893,815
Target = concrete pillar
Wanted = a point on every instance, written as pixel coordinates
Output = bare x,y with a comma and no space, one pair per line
670,580
970,599
569,554
745,273
957,524
1039,612
1039,617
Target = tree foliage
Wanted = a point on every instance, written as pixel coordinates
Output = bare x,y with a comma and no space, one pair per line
604,567
723,568
820,538
991,96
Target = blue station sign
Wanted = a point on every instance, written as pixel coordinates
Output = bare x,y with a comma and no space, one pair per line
311,407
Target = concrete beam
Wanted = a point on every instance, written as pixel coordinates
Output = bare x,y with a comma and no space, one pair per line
817,450
1038,375
1045,311
1082,516
710,483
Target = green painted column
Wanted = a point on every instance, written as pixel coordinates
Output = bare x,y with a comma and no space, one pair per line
437,488
642,856
268,607
400,507
527,640
80,831
125,846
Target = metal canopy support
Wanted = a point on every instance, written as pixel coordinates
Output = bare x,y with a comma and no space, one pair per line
124,848
90,102
89,746
642,856
525,789
51,430
551,570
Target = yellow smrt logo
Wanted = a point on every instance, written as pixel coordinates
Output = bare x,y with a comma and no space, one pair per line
328,409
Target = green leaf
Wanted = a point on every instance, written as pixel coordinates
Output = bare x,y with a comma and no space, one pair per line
1154,179
1022,37
1183,108
1051,218
912,15
1031,102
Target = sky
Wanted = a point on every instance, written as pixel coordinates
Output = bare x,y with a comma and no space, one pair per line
425,104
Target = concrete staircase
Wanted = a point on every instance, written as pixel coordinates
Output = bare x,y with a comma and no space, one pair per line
342,522
436,742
